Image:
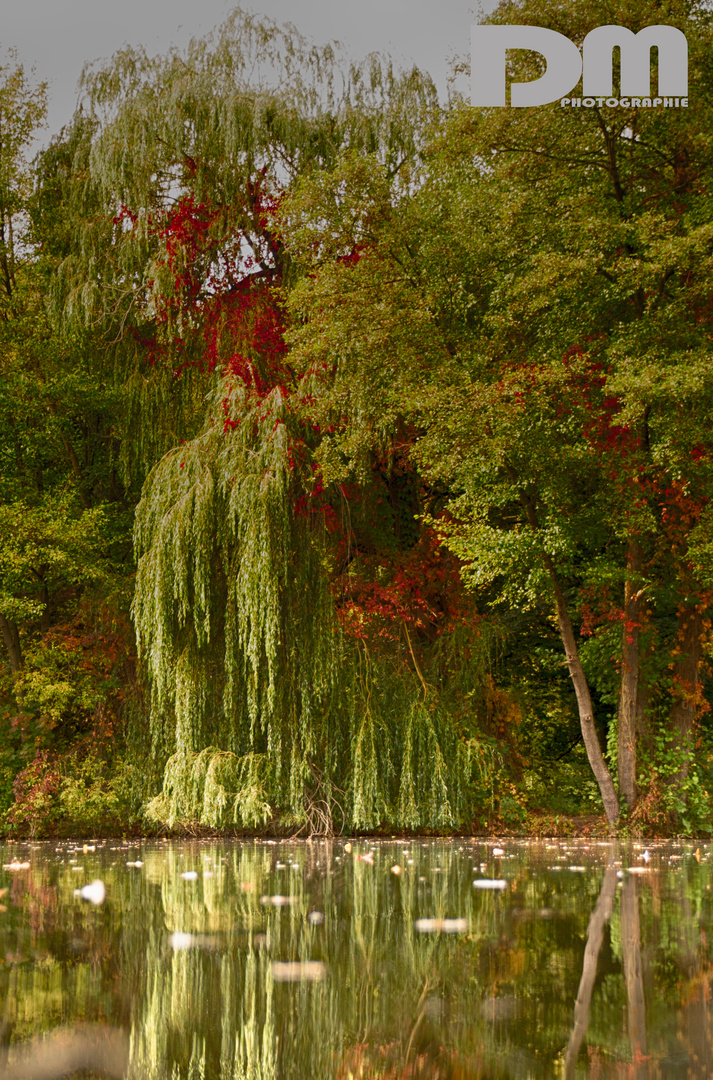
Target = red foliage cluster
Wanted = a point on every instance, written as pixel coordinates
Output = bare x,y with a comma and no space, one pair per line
36,789
225,289
419,588
598,609
315,503
215,269
252,316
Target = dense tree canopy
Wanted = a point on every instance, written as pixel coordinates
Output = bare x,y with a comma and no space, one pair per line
537,312
409,407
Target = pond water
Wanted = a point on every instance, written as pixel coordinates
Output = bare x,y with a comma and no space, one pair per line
361,960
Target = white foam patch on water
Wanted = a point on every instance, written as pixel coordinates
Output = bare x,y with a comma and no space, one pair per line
444,926
95,892
298,971
180,941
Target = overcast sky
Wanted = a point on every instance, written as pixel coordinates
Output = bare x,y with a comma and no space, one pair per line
59,36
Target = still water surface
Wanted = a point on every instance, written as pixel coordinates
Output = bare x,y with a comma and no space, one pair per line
431,959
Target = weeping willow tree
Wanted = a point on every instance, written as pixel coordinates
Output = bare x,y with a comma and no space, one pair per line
262,700
269,700
178,164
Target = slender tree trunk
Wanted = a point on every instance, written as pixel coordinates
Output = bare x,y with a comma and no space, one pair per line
579,679
45,617
685,677
584,702
633,975
595,933
628,695
11,638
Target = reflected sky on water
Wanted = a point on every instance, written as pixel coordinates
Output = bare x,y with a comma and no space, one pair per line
357,960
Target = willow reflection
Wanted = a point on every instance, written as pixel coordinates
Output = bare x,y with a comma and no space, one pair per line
257,961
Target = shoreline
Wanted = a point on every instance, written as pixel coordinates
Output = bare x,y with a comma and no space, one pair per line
542,826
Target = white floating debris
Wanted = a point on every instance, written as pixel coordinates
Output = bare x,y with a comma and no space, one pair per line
637,869
15,865
445,926
646,857
277,901
180,941
189,875
296,971
396,869
137,864
316,918
95,892
578,869
498,851
347,848
490,883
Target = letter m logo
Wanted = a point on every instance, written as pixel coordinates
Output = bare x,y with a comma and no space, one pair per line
635,49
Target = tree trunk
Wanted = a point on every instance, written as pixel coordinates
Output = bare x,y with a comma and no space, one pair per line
581,688
46,616
644,733
584,702
595,933
628,695
11,638
685,679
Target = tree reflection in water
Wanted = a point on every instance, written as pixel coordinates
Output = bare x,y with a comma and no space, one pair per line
595,933
633,979
310,961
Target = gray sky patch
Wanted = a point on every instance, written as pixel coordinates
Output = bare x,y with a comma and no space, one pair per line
58,37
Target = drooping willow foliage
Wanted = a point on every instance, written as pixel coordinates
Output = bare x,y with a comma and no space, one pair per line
265,705
230,598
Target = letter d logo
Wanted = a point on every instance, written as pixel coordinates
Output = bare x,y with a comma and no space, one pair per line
489,46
